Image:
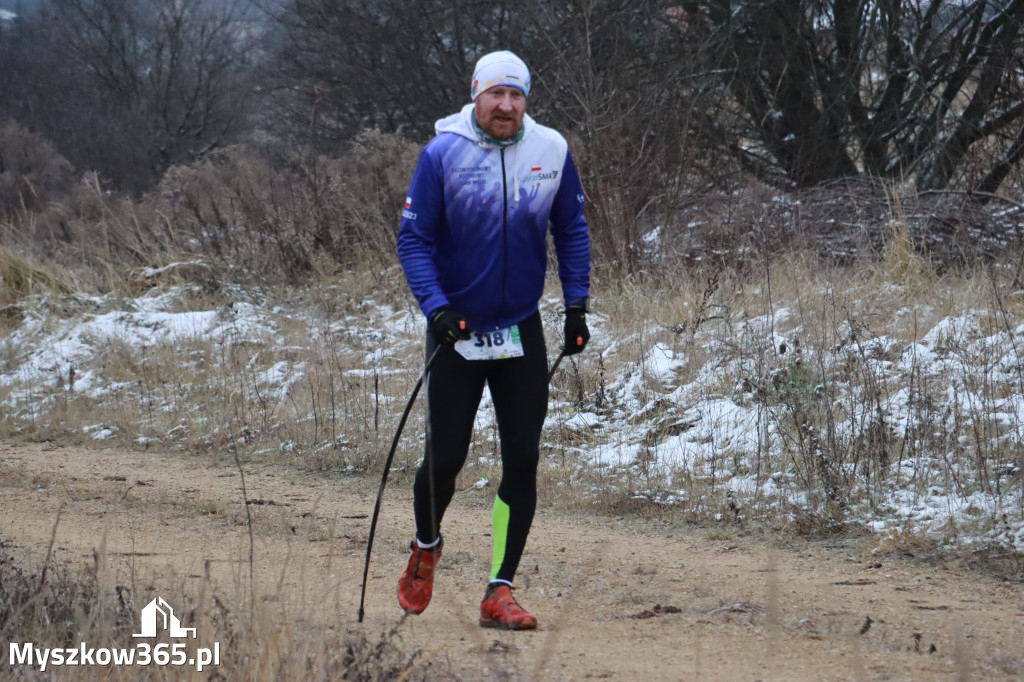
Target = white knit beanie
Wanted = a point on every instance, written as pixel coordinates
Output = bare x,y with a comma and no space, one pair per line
500,68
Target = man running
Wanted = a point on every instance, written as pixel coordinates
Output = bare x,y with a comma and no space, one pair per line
473,244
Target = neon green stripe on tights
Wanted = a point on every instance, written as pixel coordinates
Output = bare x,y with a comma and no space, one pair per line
499,522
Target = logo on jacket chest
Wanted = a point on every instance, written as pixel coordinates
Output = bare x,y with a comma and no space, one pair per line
537,174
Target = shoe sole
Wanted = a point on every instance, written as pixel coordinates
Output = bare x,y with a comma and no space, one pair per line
525,625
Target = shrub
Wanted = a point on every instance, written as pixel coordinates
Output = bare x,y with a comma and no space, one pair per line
32,174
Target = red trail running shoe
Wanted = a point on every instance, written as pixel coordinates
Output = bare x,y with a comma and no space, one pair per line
499,609
417,582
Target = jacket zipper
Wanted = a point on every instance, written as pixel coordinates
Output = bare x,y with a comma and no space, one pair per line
504,235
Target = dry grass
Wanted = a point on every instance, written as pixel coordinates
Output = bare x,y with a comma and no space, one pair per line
22,279
797,341
53,605
237,216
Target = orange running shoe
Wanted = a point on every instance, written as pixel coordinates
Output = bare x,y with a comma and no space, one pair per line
417,582
499,609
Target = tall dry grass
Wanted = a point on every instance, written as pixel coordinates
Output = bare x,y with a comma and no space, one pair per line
254,217
53,605
820,359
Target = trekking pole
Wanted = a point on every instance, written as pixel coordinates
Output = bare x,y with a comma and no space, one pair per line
551,374
387,467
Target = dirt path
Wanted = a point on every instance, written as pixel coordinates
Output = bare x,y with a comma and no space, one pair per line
616,600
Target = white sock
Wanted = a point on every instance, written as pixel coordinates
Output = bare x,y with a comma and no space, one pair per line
432,545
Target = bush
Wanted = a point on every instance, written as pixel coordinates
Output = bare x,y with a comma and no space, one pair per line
32,174
284,220
242,213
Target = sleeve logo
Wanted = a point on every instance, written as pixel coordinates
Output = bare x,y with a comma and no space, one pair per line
406,213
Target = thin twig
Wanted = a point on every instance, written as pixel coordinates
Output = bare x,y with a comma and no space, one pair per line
248,517
42,578
49,548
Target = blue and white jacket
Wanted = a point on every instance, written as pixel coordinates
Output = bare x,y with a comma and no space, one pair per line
474,229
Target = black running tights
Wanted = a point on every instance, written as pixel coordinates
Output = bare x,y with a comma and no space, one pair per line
519,390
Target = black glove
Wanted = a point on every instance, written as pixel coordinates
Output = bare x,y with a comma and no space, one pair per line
448,326
576,332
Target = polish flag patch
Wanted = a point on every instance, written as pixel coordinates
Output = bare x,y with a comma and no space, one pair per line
408,202
535,169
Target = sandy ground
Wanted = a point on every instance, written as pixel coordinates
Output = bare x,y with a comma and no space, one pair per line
620,599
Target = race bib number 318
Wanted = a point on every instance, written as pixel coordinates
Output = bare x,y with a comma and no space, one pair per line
496,345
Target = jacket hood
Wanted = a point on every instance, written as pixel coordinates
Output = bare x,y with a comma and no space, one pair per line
461,123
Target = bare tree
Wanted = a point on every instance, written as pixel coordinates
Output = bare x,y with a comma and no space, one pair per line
348,65
828,89
610,73
131,87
